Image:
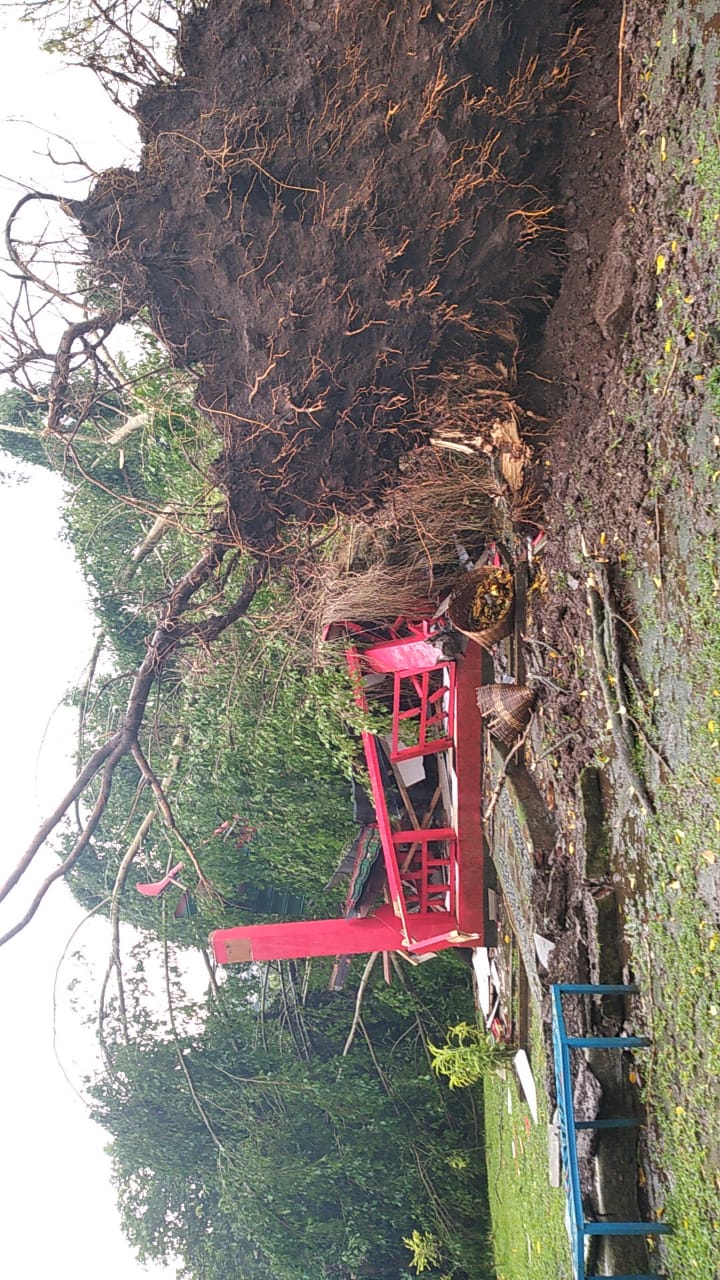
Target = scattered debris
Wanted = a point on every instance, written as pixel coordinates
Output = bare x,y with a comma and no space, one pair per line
526,1080
543,949
609,672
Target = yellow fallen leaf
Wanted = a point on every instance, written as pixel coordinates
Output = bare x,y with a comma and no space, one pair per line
660,263
713,942
711,726
663,148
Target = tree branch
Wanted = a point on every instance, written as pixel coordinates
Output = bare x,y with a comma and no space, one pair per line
169,633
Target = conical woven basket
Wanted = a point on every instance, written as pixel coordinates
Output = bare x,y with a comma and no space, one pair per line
461,604
507,709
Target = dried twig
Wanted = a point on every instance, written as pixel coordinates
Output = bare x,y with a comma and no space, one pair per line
359,1001
609,674
621,50
492,803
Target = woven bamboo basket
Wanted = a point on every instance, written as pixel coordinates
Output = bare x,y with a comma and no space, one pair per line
507,709
461,604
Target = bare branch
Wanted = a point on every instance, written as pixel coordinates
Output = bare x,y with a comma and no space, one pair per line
359,1001
14,254
166,812
168,634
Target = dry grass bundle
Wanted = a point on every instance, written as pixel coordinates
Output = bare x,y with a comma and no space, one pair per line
441,500
380,592
404,557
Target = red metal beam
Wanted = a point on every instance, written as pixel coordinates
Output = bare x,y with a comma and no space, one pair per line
472,891
381,931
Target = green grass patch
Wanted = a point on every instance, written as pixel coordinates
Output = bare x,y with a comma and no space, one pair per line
708,179
675,944
527,1214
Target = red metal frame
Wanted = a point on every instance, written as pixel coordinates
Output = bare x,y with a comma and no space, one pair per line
436,876
434,711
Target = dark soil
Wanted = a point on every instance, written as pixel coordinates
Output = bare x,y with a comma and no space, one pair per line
338,205
598,349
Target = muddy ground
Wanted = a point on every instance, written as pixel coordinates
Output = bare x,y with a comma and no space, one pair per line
631,442
621,484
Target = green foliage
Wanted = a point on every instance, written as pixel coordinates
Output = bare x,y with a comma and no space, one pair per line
253,1138
468,1055
529,1235
708,180
246,1146
425,1249
670,923
20,427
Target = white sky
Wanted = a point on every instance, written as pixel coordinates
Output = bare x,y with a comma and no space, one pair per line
57,1209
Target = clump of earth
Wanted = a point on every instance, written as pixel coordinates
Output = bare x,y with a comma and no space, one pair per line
338,209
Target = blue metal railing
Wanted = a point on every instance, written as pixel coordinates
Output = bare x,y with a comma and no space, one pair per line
581,1228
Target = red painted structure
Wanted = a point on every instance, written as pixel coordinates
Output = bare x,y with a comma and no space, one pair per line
436,875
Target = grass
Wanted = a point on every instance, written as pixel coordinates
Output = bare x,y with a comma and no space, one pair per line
708,180
675,943
528,1215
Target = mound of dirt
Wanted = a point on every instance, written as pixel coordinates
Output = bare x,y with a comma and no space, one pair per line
337,204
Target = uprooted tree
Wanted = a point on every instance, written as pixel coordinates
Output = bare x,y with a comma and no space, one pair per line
340,241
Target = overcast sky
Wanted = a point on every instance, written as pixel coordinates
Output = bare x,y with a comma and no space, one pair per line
57,1208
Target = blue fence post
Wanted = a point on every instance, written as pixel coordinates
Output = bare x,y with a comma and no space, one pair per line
580,1227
